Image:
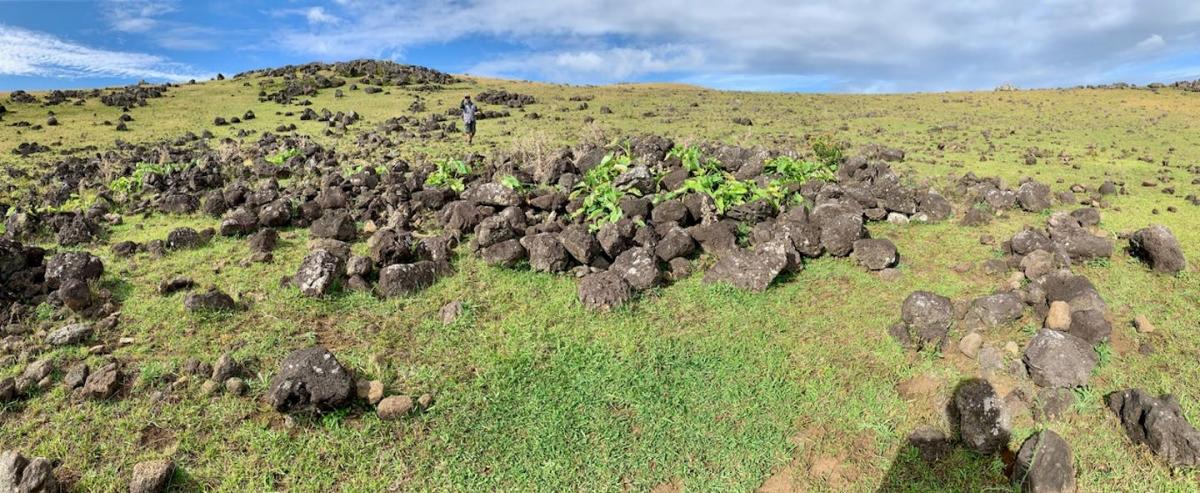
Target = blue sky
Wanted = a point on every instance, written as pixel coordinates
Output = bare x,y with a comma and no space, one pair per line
775,45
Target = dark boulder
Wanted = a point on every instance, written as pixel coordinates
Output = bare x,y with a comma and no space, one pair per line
580,243
178,203
752,270
1034,197
404,279
184,239
637,266
334,224
506,253
1159,423
319,273
310,379
1045,465
983,423
211,300
840,227
81,266
239,222
391,246
1057,359
604,291
875,254
546,253
994,310
264,241
926,319
1158,248
676,243
492,193
275,214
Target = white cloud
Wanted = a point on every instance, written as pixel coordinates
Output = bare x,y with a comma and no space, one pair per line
136,16
31,53
910,44
602,65
1151,43
318,15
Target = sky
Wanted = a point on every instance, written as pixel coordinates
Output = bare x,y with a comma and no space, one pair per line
854,46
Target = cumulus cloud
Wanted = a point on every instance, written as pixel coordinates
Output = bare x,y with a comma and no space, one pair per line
910,44
30,53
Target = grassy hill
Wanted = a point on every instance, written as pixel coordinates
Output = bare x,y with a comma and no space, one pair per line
694,387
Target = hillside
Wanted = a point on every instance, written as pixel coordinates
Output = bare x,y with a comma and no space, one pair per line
522,380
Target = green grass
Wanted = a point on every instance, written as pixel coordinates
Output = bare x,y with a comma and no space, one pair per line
701,386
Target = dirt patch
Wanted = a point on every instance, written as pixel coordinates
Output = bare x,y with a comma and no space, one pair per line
672,487
783,481
155,438
918,386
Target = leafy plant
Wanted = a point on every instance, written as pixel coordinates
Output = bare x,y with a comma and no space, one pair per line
727,192
131,184
449,174
283,156
512,182
601,198
794,170
828,152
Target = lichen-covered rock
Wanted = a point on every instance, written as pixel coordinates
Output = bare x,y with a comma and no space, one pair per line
310,379
604,291
1057,359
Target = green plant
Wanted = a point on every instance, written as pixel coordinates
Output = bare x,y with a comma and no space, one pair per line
131,184
1104,354
512,182
828,152
792,170
601,198
449,174
283,156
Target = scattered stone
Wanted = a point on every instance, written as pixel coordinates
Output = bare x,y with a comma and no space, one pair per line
1059,316
102,383
151,476
211,300
1159,423
310,379
970,343
1045,465
926,319
451,311
174,285
21,475
875,254
394,407
235,386
404,279
1159,248
994,310
69,334
1143,325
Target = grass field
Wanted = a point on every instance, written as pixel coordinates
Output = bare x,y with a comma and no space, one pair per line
695,387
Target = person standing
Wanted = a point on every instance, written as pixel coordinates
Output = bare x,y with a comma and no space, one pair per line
468,116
